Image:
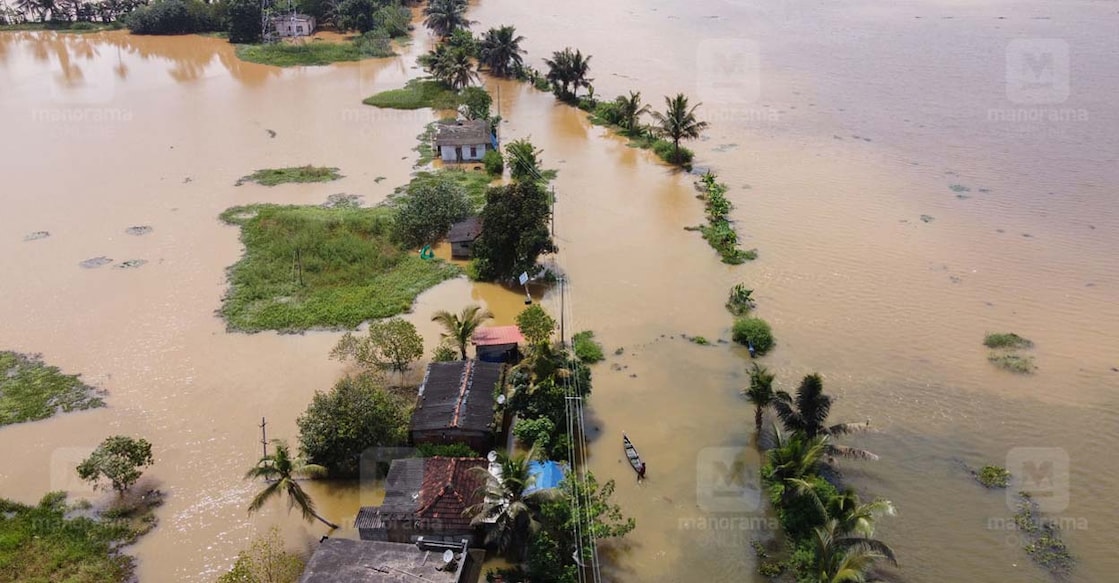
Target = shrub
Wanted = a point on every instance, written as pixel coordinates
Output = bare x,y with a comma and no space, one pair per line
740,301
669,153
444,352
754,331
993,477
173,17
607,113
494,162
535,432
265,560
375,43
353,416
445,450
244,21
586,348
1006,340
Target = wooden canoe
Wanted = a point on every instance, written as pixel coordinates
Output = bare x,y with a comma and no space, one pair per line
632,455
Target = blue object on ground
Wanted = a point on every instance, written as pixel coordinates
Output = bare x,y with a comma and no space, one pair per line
546,475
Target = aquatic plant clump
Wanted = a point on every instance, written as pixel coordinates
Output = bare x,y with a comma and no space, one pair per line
993,477
1006,340
275,176
753,332
1042,538
316,53
1015,363
311,267
31,390
416,94
587,349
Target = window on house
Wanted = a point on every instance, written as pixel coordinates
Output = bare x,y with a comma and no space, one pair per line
299,30
473,151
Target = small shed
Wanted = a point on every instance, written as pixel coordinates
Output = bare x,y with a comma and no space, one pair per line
464,140
456,404
293,25
498,343
462,236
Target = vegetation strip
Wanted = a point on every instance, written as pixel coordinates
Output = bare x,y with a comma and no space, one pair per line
31,390
276,176
718,231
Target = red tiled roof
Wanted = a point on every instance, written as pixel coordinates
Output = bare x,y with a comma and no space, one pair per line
449,488
494,335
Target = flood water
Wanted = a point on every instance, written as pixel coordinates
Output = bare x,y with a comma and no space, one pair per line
857,120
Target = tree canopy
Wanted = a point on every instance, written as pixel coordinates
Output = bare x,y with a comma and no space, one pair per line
390,345
427,210
120,460
357,414
515,233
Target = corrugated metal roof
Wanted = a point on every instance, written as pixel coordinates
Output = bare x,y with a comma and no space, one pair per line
457,394
494,335
465,230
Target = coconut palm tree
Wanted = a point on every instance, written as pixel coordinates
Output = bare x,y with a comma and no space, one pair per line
760,393
792,460
855,517
444,17
846,559
630,110
808,413
567,70
679,122
459,328
514,513
281,471
500,51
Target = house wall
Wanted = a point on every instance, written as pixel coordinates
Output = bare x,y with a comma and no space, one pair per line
479,151
463,153
287,27
462,249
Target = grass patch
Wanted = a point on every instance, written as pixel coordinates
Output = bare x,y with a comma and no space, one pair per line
1006,340
274,176
80,27
424,148
315,53
31,390
993,477
1015,363
56,542
587,349
753,331
416,94
312,267
700,340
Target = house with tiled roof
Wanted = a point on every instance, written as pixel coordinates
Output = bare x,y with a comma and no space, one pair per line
498,343
425,497
455,404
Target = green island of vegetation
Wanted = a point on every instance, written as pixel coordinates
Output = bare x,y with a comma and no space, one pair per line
1042,538
1015,363
416,94
31,390
718,231
1006,340
275,176
993,476
308,266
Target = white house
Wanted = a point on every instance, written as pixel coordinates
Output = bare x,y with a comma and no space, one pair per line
289,25
464,140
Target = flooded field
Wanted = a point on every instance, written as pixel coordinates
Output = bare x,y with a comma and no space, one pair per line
901,203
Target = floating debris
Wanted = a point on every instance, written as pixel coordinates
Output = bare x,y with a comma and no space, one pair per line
958,188
725,147
139,230
342,200
37,235
927,218
95,262
378,179
271,133
131,263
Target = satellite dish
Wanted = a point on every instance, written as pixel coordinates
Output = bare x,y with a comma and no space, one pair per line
448,556
492,456
501,399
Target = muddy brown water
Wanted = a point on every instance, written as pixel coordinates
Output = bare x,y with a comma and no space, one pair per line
106,131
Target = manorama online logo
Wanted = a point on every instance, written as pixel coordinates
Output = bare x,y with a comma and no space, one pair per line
1043,474
725,483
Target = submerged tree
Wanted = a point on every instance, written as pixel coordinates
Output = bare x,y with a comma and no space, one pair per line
119,459
524,160
390,345
679,122
459,328
760,392
444,17
353,416
630,110
281,471
567,71
500,51
840,558
808,413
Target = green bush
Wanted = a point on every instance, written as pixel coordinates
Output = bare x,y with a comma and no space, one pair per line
1013,362
494,162
1006,340
445,450
586,348
754,331
740,300
669,153
535,432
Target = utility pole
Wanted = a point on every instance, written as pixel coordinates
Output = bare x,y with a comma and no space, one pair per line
563,337
553,211
263,437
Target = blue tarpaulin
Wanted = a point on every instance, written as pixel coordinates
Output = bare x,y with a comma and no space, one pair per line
546,475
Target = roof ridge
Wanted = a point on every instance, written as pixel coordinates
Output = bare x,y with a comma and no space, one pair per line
464,388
